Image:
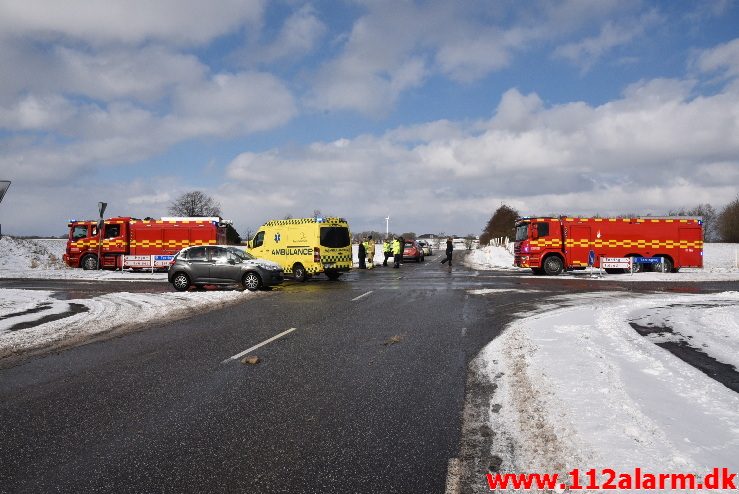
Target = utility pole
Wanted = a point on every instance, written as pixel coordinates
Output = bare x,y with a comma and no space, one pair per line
4,184
387,226
101,210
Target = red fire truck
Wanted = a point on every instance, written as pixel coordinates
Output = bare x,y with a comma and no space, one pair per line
129,242
552,245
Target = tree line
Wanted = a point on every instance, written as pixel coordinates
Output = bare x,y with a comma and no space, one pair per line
718,226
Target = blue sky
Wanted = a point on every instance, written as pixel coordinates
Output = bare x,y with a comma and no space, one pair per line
433,112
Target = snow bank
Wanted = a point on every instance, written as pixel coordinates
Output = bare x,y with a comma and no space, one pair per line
102,314
719,264
578,387
42,259
491,257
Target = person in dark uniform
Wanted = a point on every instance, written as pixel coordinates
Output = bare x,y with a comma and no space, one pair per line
398,245
449,250
362,256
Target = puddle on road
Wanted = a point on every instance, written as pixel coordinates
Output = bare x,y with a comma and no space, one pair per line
73,309
723,373
39,308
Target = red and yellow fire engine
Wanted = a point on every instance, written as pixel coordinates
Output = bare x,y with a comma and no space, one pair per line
129,242
552,245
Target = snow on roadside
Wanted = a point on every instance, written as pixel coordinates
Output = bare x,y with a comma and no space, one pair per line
490,257
578,387
104,313
719,261
42,259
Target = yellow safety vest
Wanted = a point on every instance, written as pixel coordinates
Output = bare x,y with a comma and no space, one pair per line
397,247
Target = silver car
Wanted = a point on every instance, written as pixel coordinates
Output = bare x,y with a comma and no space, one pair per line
221,265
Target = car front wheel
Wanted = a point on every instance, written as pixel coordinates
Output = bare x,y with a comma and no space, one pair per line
181,282
251,281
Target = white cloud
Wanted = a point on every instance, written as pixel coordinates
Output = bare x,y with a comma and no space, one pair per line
588,51
298,36
128,21
87,136
233,104
656,148
145,74
385,55
724,58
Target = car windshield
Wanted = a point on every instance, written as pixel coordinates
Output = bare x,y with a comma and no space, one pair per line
522,232
244,256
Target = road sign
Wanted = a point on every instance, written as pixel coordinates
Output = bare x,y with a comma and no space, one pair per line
647,260
591,258
162,261
615,262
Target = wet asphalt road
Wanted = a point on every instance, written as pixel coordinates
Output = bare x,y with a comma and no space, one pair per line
364,396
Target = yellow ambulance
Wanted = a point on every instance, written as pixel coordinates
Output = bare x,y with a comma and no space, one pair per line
305,246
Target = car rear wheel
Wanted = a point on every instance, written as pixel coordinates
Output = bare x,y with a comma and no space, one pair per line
181,282
299,273
251,281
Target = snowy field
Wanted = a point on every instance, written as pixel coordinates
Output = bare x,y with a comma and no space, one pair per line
578,387
719,264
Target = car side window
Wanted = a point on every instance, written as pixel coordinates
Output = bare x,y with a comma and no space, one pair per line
258,239
197,254
218,254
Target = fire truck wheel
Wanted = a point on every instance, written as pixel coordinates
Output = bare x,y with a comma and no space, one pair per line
635,266
667,265
251,281
181,282
299,272
89,262
553,265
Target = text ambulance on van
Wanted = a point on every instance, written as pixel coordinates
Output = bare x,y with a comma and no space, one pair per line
305,246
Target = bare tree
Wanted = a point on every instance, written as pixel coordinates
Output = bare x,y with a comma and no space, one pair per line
728,222
501,224
710,219
194,203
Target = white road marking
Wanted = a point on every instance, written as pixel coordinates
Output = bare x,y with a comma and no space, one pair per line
453,473
362,295
239,355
